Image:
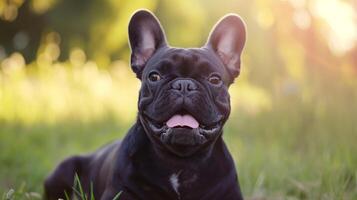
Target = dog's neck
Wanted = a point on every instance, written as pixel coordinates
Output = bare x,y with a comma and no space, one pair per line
180,174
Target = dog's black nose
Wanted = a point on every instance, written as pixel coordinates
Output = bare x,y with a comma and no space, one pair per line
184,85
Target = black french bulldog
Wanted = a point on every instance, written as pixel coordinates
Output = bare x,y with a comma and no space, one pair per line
175,149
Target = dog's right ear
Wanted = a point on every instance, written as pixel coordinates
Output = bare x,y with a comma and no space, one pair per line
146,36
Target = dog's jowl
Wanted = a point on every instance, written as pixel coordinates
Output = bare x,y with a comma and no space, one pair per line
175,149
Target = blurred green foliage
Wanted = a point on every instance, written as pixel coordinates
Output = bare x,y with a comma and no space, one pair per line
66,88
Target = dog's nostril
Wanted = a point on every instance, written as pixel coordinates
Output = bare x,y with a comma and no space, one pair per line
177,85
191,86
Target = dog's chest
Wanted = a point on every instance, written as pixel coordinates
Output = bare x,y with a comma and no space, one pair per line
182,180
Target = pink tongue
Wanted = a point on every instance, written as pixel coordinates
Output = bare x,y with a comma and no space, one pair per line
182,120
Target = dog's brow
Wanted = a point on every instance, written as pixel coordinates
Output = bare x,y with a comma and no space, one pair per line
164,65
204,66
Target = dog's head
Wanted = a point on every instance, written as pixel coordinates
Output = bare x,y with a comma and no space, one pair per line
184,100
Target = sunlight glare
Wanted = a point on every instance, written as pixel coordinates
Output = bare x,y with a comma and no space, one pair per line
341,20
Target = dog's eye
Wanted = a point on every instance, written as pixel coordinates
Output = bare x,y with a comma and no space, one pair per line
215,79
154,76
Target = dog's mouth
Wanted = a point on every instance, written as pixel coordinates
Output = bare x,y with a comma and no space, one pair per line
182,128
186,120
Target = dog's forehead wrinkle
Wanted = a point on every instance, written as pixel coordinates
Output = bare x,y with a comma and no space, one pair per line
188,62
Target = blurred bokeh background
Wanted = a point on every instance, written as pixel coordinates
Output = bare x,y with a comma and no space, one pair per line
66,88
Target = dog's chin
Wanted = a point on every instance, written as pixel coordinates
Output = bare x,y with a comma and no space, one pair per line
182,140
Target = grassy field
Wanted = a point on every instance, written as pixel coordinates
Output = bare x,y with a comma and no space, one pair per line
285,147
274,161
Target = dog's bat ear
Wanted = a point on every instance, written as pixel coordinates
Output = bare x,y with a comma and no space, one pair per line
145,36
227,40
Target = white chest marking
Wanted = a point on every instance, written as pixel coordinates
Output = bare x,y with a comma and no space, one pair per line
175,182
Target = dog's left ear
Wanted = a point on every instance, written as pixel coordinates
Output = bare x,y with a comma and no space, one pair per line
146,37
227,40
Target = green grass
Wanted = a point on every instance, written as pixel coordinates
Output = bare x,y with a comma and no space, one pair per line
275,160
28,154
